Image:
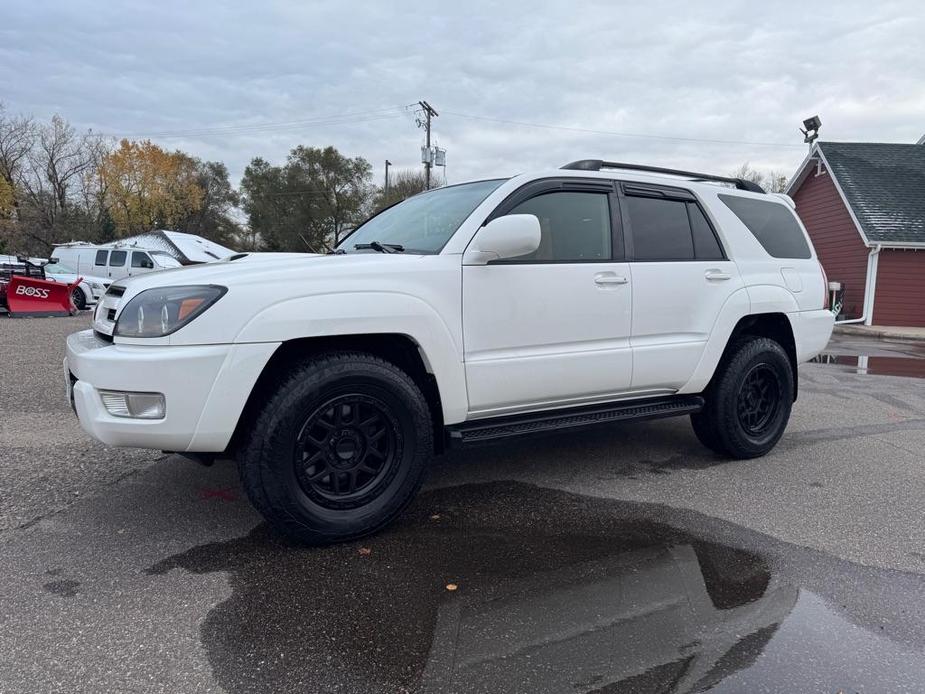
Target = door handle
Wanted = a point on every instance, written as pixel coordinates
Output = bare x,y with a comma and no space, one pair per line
609,278
717,275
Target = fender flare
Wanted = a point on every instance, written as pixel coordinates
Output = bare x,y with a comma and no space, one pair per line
366,313
744,302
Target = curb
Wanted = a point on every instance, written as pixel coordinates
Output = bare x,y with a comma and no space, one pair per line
882,333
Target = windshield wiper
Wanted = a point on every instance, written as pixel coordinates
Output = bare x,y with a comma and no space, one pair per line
380,247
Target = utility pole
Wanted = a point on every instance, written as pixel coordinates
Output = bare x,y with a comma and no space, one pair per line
428,162
387,165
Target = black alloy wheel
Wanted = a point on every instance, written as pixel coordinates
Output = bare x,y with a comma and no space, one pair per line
759,399
347,447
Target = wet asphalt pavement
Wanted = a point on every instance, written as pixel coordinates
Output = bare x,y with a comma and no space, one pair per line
625,559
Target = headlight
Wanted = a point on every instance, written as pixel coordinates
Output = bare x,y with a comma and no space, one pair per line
164,310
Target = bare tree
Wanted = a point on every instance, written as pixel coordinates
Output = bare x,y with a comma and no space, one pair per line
772,181
17,137
54,179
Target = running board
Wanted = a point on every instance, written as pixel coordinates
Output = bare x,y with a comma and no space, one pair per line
502,428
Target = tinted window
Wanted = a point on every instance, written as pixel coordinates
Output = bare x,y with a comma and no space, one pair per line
117,258
772,223
101,257
706,247
575,226
661,229
141,260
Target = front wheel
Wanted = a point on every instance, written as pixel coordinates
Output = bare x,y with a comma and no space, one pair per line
748,404
80,301
339,449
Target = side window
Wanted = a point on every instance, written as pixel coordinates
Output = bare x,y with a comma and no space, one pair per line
575,226
142,260
772,223
117,258
706,247
661,229
101,257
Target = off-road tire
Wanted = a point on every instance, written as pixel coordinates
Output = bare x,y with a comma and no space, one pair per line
748,401
311,403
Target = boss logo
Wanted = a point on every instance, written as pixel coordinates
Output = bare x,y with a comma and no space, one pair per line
37,292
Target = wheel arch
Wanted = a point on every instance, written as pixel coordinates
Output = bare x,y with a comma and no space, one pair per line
399,349
775,326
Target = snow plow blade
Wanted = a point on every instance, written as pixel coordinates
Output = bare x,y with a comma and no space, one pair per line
31,297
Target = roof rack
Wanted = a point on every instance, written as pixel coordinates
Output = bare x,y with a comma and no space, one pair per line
598,164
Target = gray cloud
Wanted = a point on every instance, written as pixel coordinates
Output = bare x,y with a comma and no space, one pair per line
717,71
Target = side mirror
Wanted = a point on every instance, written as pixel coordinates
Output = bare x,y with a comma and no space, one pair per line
504,237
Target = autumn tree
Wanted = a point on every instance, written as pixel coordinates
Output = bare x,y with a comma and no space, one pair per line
307,203
147,187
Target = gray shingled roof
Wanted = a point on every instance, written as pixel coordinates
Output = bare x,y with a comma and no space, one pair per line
884,185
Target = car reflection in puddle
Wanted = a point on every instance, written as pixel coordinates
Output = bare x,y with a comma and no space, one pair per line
909,367
555,593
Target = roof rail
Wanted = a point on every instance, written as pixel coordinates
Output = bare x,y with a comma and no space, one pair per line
598,164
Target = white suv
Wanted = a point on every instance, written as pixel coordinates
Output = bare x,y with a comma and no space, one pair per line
477,312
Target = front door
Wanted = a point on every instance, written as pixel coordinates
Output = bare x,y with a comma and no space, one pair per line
552,328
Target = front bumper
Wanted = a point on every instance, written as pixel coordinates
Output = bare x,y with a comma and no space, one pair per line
205,386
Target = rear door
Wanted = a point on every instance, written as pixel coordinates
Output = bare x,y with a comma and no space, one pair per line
552,328
681,279
788,258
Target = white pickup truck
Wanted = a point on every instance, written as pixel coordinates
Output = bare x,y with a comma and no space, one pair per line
477,312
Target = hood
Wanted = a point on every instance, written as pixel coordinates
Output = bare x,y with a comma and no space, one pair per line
70,278
276,270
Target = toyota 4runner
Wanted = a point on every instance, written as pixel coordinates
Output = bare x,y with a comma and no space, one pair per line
555,300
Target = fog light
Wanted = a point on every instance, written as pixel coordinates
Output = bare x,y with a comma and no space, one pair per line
138,405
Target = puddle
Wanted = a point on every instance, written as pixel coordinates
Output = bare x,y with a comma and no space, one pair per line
555,593
875,365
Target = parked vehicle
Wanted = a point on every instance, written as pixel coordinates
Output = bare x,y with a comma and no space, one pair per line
113,261
549,301
26,291
86,293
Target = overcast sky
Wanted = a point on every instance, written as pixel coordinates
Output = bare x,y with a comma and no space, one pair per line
231,81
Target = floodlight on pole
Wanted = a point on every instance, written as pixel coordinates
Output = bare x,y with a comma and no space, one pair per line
810,129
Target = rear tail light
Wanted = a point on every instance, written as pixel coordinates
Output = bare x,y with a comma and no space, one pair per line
825,288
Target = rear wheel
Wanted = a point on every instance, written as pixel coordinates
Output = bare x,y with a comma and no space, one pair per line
339,449
748,404
80,301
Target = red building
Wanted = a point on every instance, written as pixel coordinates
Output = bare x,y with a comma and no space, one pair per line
864,207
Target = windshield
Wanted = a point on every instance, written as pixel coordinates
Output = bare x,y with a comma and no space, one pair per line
425,222
56,268
164,259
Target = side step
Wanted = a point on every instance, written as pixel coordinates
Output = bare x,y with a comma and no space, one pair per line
501,428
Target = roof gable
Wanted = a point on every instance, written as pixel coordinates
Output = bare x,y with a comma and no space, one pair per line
884,185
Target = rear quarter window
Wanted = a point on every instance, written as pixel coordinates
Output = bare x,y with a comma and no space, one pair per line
773,224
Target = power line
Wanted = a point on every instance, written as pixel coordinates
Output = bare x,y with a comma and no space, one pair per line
673,138
333,119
